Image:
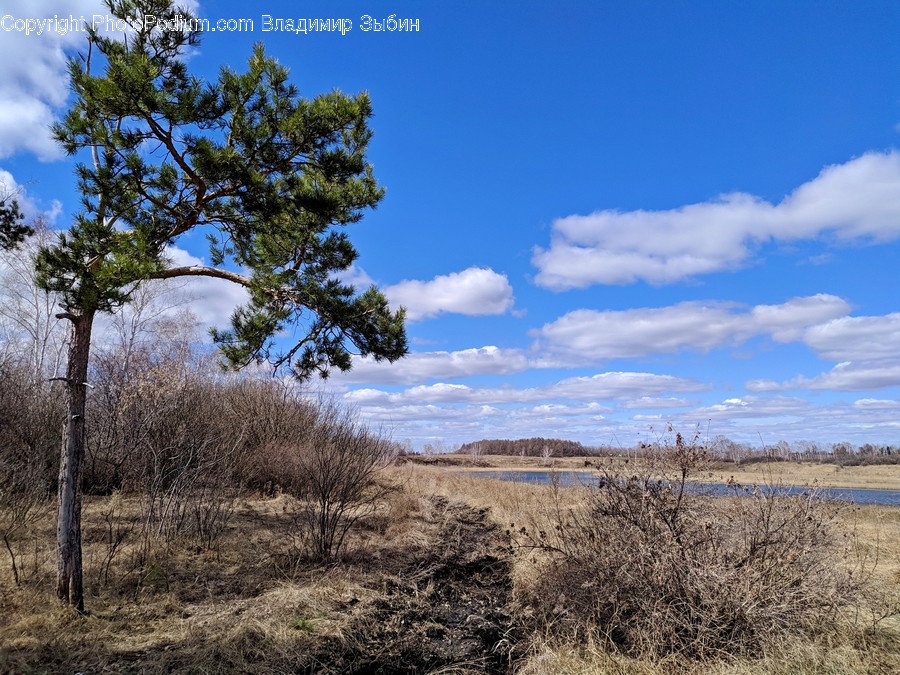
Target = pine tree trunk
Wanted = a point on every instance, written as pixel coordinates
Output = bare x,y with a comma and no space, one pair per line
69,584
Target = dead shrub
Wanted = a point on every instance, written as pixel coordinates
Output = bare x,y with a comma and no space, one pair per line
23,501
333,474
651,569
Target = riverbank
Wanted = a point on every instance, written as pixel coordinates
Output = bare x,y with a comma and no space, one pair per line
875,477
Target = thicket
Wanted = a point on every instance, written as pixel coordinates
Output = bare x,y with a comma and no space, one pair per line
167,427
649,568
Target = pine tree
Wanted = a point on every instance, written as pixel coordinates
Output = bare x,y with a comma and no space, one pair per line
268,176
13,230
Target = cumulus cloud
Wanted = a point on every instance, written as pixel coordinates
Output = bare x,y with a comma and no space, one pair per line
576,407
845,376
9,188
858,200
202,301
877,404
356,276
428,415
35,83
647,402
759,419
444,365
754,406
689,325
476,291
622,385
748,418
212,301
549,411
857,338
866,347
600,387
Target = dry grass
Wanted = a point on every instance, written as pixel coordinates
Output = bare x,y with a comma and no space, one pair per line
874,531
253,604
876,477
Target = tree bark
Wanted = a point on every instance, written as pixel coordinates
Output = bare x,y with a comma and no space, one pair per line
69,584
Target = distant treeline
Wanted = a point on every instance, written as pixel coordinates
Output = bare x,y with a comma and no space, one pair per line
528,447
719,449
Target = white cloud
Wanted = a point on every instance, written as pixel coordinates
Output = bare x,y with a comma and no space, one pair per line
622,385
572,408
753,419
356,276
857,338
10,188
858,200
476,291
205,301
212,300
550,411
866,347
421,366
600,387
877,404
647,402
429,415
589,334
753,406
35,83
845,376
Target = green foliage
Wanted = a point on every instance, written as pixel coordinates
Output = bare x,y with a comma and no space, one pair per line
12,230
271,178
303,624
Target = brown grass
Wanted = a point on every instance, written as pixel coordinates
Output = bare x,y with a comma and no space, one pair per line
252,604
874,531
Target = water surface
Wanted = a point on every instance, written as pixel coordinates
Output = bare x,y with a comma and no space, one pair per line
570,478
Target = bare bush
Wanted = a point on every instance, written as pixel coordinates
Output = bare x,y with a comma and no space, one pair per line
117,531
162,429
651,569
22,498
269,416
148,342
30,420
335,477
188,480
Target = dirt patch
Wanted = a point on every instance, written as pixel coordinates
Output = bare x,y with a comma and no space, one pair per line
444,609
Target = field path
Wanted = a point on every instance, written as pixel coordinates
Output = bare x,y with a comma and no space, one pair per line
444,610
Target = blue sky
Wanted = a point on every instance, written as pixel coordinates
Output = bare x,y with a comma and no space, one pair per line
603,217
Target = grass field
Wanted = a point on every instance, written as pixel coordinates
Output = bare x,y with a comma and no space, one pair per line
429,583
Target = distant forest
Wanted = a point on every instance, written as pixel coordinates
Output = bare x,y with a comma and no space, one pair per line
528,447
719,448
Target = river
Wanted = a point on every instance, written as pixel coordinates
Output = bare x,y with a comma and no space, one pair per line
570,478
